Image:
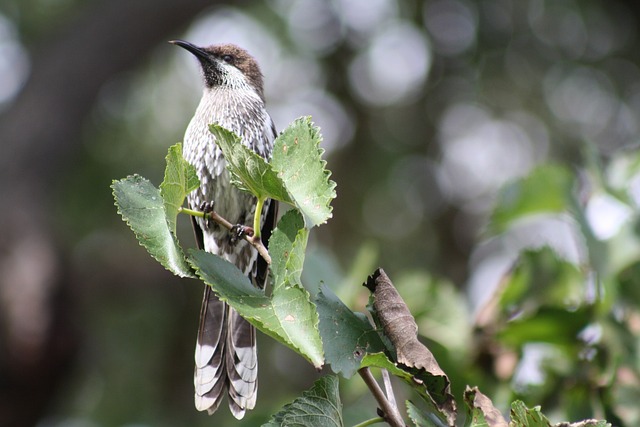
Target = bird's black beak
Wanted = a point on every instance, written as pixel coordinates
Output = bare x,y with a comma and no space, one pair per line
198,52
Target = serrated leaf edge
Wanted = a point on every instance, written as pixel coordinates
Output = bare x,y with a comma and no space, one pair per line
316,134
138,237
257,321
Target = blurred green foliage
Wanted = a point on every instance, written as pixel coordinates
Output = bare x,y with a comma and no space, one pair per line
484,155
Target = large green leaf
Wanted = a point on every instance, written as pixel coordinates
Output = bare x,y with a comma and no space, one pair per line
180,179
418,417
346,336
548,324
295,175
541,277
287,247
288,315
248,170
439,308
142,207
297,159
319,406
545,190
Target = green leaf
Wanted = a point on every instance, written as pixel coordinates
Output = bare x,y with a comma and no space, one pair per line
248,170
180,179
433,393
297,159
541,277
296,174
319,406
440,310
346,336
623,167
287,247
521,416
546,189
419,418
287,316
548,324
141,206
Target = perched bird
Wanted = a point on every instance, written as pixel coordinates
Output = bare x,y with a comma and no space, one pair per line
233,96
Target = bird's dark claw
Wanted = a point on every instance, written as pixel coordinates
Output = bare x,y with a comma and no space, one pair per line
238,232
207,208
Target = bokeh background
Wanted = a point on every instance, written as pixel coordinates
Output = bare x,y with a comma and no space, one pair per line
427,108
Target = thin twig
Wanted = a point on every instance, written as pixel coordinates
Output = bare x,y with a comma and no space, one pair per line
386,379
253,240
390,413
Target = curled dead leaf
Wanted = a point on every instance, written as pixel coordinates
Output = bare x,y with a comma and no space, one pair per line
414,357
478,402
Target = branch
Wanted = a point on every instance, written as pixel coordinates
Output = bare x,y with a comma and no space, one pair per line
390,413
254,240
388,388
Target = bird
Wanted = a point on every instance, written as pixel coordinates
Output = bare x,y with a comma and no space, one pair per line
226,361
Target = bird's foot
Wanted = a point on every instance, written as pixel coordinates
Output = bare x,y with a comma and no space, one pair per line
238,232
207,208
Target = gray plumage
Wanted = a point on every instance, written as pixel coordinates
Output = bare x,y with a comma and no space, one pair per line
225,358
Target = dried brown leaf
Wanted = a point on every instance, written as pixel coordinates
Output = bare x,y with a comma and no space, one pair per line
479,402
414,357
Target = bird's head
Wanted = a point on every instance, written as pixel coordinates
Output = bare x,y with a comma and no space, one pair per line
227,66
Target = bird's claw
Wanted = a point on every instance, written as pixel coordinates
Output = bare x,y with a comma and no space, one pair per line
207,208
238,232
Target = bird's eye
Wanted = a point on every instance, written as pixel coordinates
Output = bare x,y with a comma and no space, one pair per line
228,59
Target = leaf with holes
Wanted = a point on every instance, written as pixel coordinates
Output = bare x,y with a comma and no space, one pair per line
346,336
288,315
297,159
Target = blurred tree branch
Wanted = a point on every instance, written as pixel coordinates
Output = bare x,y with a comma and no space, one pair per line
40,132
